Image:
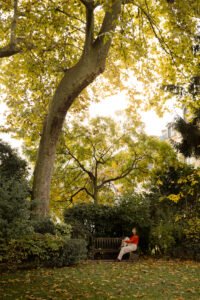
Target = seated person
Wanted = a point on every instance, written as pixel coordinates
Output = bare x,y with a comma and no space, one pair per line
129,244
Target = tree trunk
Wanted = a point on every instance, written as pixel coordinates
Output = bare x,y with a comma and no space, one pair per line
74,81
95,185
91,64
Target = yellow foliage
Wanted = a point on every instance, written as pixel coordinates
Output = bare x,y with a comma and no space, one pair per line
175,198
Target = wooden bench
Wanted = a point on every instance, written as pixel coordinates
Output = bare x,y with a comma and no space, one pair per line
107,245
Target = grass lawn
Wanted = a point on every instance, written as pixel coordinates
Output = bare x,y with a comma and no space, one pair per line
146,279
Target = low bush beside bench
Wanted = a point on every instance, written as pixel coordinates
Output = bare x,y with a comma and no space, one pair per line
43,250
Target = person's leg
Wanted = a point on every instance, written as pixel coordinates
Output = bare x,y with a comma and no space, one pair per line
123,244
125,250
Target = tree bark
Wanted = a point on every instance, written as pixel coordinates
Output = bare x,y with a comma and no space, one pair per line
74,81
95,185
91,64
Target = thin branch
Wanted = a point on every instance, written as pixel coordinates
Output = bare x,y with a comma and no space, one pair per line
80,190
123,174
68,15
80,164
11,48
14,24
155,30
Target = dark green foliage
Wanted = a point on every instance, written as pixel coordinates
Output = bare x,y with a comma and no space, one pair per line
186,250
162,224
50,244
174,225
182,178
190,133
89,220
44,226
14,194
11,165
43,250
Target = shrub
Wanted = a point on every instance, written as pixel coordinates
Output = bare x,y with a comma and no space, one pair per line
89,220
43,250
14,195
46,225
62,229
43,226
162,238
189,245
186,250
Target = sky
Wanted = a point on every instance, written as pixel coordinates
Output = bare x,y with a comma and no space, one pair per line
153,124
108,107
6,137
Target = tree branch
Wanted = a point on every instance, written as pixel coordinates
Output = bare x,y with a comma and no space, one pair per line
68,15
108,25
14,24
80,190
155,29
11,48
89,30
89,3
80,164
123,174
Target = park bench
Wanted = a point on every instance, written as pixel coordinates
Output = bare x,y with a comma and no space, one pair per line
107,245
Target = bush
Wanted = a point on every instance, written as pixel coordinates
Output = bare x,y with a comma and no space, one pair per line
14,195
89,220
63,229
162,238
44,226
43,250
189,245
186,250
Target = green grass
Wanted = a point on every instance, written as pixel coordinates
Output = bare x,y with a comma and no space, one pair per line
147,279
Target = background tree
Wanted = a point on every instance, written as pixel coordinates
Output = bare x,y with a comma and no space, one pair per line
96,155
188,126
100,159
175,210
54,65
190,135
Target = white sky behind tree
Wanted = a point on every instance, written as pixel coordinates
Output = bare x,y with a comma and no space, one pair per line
153,124
109,107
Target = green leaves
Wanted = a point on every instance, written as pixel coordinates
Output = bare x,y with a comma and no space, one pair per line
43,250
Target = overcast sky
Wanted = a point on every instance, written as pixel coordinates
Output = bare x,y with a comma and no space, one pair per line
153,124
109,107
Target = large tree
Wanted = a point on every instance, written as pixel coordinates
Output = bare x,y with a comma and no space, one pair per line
100,159
144,28
94,157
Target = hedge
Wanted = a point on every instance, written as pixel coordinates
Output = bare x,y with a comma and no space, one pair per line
43,250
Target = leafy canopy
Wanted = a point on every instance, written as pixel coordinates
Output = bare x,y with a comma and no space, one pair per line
152,42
